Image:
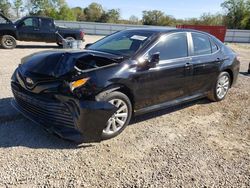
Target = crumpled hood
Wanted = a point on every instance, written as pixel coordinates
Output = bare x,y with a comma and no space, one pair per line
56,63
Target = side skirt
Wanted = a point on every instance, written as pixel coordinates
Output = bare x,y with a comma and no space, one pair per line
168,104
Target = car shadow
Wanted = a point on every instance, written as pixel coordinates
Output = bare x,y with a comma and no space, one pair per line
17,131
245,74
169,110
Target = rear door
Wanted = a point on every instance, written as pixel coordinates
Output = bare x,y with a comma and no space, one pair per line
205,61
48,30
169,79
28,29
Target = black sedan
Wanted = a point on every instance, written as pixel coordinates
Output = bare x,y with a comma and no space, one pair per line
91,95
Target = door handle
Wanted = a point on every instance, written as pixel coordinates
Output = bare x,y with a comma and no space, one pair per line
188,66
36,29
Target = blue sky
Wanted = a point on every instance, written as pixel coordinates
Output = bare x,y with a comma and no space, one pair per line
176,8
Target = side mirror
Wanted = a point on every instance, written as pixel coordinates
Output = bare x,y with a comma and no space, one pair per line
154,58
149,62
88,45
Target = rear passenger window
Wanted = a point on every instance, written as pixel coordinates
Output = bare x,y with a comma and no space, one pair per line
174,46
201,44
47,24
214,46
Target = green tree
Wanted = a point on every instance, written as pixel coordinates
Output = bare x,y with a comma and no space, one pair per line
156,17
57,9
111,16
18,7
236,11
153,17
94,12
79,13
134,20
65,13
5,7
43,7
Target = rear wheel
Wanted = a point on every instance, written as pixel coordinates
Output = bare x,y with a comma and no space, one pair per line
220,89
8,42
121,118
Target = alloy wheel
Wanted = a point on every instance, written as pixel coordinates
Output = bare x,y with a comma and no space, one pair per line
119,118
222,86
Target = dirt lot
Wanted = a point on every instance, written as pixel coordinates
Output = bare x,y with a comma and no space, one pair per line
201,144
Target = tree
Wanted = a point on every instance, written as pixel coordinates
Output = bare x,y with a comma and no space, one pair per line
65,13
94,12
152,17
111,16
156,17
5,7
57,9
212,19
134,20
79,13
236,10
18,7
44,7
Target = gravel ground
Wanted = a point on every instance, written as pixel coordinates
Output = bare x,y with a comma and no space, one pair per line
201,144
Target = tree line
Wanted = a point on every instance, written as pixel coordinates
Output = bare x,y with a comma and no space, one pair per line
236,13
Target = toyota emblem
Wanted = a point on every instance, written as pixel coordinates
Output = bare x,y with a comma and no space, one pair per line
29,81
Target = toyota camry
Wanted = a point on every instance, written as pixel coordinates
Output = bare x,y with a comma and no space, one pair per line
92,94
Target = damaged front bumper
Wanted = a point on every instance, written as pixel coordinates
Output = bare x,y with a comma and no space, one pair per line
72,119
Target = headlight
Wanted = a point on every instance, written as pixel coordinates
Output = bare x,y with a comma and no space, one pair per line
78,83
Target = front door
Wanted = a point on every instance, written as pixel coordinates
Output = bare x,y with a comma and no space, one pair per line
170,78
28,29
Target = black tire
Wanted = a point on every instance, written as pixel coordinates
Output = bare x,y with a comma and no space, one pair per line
8,42
125,99
213,95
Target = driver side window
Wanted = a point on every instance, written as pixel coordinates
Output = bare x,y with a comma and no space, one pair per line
174,46
30,22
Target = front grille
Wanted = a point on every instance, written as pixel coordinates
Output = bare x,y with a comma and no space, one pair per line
43,111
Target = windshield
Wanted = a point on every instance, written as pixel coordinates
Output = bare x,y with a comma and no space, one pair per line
3,20
125,43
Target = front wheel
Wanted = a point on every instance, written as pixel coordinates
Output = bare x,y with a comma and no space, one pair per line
8,42
220,89
121,118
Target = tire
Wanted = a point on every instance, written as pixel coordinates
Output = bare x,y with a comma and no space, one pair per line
8,42
220,88
115,98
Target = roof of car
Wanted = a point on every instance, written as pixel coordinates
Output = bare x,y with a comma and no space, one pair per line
164,30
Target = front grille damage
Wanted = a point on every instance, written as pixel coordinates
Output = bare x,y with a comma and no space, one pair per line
70,118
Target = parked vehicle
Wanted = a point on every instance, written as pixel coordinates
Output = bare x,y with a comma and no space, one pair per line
33,28
92,94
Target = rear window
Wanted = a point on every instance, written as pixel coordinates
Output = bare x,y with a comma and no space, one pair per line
47,23
202,44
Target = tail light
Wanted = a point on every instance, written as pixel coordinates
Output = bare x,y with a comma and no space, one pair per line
82,34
